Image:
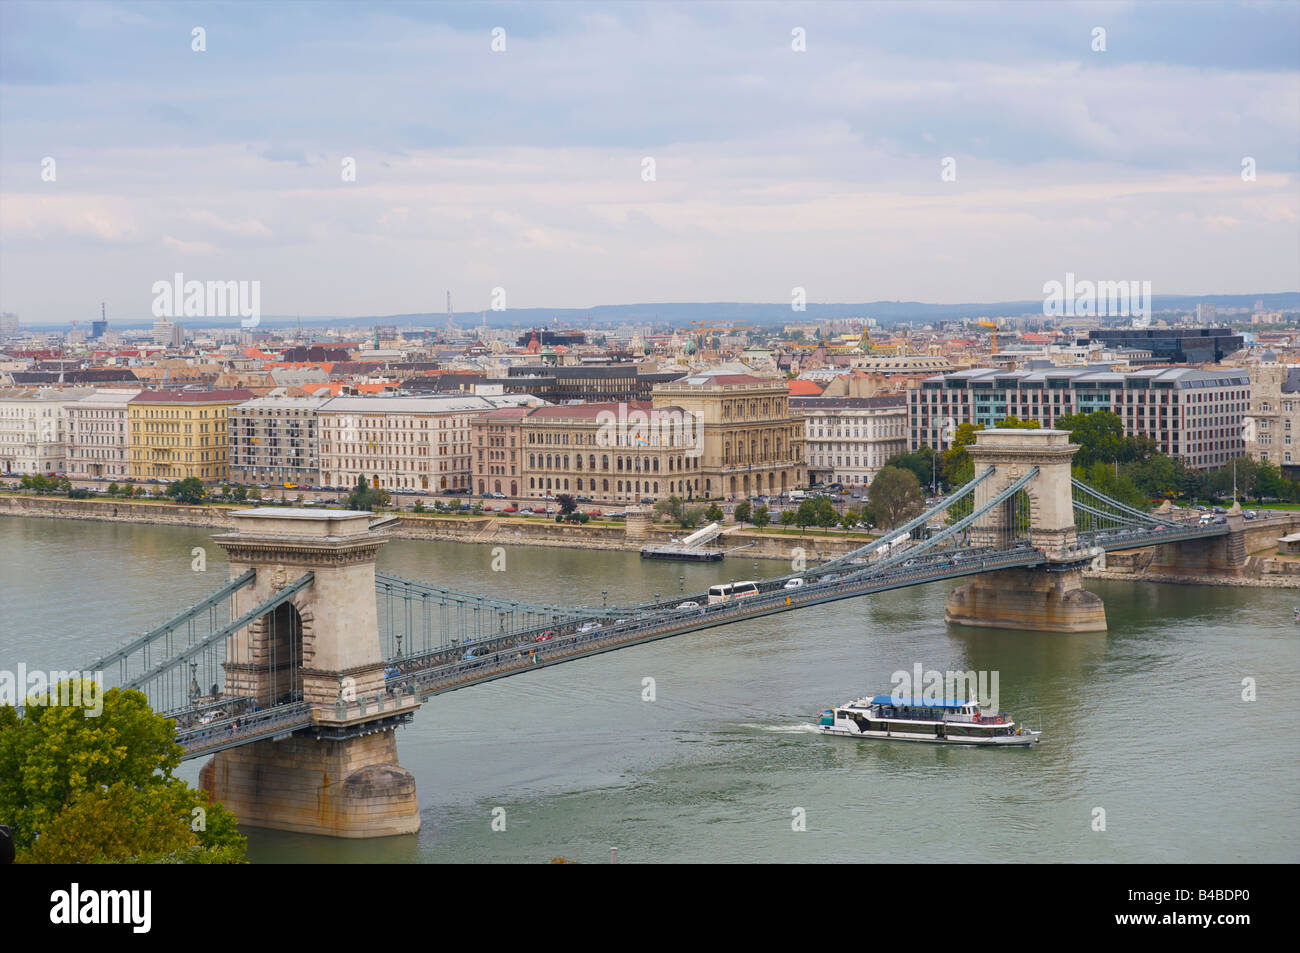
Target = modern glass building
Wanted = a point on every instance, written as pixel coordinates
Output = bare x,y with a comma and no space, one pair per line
1174,345
1191,413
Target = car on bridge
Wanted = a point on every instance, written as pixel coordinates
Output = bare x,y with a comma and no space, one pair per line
689,605
589,627
545,636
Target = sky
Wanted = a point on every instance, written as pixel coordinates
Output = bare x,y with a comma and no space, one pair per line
518,176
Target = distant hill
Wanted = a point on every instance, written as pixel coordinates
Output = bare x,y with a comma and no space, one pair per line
718,312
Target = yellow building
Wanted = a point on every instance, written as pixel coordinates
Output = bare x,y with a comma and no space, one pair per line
176,434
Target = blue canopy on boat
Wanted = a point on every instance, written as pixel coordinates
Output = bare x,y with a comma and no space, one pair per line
916,702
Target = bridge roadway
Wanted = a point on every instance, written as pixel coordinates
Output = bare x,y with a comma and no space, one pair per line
447,669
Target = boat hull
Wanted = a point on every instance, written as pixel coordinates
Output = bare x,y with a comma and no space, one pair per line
1024,740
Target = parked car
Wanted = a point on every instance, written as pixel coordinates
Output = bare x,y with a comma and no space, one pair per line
538,509
511,509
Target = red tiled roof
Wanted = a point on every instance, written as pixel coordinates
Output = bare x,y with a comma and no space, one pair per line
800,388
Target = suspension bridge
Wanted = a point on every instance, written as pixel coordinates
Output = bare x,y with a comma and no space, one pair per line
292,677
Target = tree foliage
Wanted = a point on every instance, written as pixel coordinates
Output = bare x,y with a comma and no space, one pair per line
365,497
895,496
80,787
189,490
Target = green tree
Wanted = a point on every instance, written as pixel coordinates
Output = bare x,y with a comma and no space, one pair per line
806,514
761,516
1269,483
957,467
1100,436
113,489
1103,478
365,497
924,464
788,517
673,508
742,512
713,513
188,491
690,517
825,511
76,786
896,495
1015,423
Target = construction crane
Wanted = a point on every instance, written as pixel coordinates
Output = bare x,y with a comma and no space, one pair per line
989,324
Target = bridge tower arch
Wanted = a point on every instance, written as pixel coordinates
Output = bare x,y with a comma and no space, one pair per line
320,649
1050,597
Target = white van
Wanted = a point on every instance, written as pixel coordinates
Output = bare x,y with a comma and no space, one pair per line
798,495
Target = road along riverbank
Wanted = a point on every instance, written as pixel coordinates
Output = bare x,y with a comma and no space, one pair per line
485,529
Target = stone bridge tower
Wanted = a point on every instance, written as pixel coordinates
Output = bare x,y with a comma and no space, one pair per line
1047,598
340,777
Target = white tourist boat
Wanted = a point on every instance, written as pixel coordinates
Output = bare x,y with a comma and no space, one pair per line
934,722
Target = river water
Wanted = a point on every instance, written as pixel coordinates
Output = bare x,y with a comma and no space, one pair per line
1145,722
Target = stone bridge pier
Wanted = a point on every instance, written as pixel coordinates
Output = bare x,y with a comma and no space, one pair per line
341,777
1050,598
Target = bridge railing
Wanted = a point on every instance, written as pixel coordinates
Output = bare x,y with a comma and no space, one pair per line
520,657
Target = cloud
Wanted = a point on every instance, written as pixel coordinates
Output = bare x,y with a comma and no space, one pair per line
774,168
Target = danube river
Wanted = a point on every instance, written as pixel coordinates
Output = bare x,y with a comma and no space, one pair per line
1145,722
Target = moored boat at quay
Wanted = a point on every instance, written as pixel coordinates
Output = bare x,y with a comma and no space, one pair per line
932,721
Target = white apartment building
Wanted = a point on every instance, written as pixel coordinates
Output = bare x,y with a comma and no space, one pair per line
33,429
399,443
99,435
848,439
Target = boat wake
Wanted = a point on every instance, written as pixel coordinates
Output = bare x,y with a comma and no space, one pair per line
786,729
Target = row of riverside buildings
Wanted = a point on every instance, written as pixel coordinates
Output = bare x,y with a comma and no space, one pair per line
712,435
703,436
